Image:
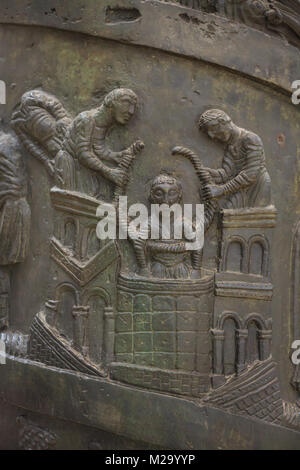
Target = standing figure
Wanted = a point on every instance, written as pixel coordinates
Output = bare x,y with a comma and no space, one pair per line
15,216
85,150
243,179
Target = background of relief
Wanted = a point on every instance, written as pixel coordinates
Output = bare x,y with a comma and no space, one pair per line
173,92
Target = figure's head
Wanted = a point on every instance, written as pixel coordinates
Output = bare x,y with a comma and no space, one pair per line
217,124
122,102
165,189
49,132
43,119
273,16
258,8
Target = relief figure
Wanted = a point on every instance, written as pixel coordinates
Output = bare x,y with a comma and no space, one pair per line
243,179
74,150
41,123
85,147
169,258
15,216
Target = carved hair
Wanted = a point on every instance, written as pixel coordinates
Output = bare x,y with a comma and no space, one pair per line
40,118
41,111
213,116
165,178
115,95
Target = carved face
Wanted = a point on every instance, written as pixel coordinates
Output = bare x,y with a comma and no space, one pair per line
124,109
53,146
165,193
256,11
219,131
258,8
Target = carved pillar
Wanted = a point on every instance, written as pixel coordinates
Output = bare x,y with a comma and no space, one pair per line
242,336
218,344
80,315
218,358
51,308
264,338
109,335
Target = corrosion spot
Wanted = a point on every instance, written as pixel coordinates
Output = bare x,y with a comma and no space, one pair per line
281,140
121,15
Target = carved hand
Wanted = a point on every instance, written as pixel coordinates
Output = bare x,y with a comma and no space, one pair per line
144,272
138,146
50,167
118,176
117,157
54,173
274,16
213,191
58,177
135,148
213,173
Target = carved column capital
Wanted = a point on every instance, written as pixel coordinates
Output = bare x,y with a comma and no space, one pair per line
265,334
218,334
80,311
242,334
109,312
51,308
265,340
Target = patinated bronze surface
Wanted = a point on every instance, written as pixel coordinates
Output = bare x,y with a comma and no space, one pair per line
140,343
